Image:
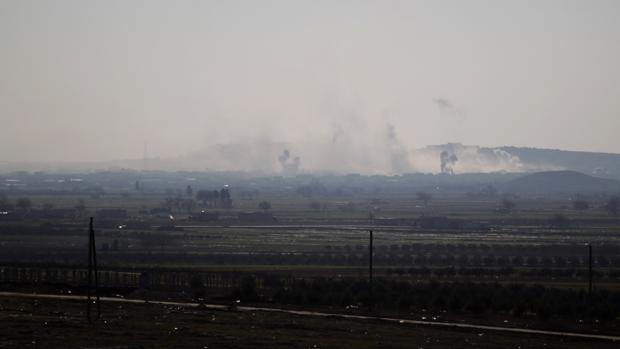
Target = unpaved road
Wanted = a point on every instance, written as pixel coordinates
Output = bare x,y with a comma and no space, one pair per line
321,314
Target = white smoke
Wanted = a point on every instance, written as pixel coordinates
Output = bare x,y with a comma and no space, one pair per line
458,158
398,154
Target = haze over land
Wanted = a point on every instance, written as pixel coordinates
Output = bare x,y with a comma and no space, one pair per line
346,86
310,173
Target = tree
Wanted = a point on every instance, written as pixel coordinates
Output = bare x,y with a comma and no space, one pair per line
508,205
96,192
188,205
489,191
581,205
560,221
169,203
348,207
204,196
189,191
264,205
315,205
80,207
225,200
24,204
158,240
199,290
5,204
424,197
247,288
613,205
248,194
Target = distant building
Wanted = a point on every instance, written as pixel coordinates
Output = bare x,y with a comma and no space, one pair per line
159,210
437,222
445,223
111,214
205,216
394,221
138,225
256,217
51,213
9,216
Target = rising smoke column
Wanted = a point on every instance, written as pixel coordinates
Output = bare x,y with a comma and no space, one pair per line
443,104
399,157
447,108
289,167
283,158
447,162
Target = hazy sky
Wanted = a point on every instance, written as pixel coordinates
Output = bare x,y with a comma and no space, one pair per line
97,80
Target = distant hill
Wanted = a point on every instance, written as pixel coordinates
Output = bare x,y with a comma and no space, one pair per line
598,164
475,159
264,158
560,182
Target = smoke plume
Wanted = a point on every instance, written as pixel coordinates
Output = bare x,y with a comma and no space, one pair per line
398,154
289,167
449,109
447,162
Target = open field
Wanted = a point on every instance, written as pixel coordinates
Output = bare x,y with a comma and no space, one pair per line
463,256
31,322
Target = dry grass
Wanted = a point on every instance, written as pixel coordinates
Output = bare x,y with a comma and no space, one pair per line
60,324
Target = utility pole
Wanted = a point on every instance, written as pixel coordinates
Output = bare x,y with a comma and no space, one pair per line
370,300
92,266
589,269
